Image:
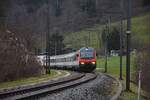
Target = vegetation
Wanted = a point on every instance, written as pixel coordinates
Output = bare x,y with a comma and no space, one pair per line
143,65
146,2
15,61
114,70
56,44
27,20
88,6
141,30
57,7
30,80
112,40
140,39
140,34
113,65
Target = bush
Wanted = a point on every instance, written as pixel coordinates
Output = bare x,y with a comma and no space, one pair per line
15,60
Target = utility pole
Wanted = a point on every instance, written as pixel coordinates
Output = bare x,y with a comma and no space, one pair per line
128,45
106,42
108,28
121,43
48,38
121,38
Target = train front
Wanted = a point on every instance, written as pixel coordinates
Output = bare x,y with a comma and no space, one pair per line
87,59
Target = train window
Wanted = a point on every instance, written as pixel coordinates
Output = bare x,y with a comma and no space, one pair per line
86,53
59,60
68,59
63,59
74,58
71,59
56,60
52,60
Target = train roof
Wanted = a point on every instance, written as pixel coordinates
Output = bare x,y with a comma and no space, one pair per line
87,48
71,54
64,55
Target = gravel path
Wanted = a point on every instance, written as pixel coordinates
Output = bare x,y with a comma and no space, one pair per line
98,89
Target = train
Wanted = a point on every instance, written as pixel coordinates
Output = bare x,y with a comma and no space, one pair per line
83,60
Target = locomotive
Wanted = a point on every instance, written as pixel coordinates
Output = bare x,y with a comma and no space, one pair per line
82,60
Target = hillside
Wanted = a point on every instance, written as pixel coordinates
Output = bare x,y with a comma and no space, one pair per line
141,29
140,34
28,19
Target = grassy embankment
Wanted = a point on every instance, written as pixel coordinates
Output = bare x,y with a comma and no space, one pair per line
31,80
114,70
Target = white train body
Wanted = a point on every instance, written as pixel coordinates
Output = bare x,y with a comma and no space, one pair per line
84,60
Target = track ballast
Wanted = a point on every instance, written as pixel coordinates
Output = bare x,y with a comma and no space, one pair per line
47,88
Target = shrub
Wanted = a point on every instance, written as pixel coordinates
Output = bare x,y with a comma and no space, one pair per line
15,60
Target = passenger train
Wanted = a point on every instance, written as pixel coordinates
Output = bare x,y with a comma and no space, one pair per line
81,60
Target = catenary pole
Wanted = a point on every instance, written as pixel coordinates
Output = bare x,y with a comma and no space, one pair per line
128,33
48,38
121,49
121,37
106,47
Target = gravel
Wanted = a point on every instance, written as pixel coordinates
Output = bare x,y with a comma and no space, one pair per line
98,89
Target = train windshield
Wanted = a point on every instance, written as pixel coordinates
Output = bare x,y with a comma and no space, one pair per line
87,54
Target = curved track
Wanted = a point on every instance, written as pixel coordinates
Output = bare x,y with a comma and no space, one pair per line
47,88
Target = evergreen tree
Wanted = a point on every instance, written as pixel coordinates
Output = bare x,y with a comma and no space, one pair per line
113,40
88,6
56,44
91,7
146,2
57,7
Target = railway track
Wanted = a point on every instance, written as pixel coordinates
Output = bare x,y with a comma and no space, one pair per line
47,88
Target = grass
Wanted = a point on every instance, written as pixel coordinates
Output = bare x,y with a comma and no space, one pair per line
113,65
131,95
113,70
29,81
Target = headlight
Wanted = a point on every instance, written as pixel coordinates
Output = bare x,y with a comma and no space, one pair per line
93,62
82,63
